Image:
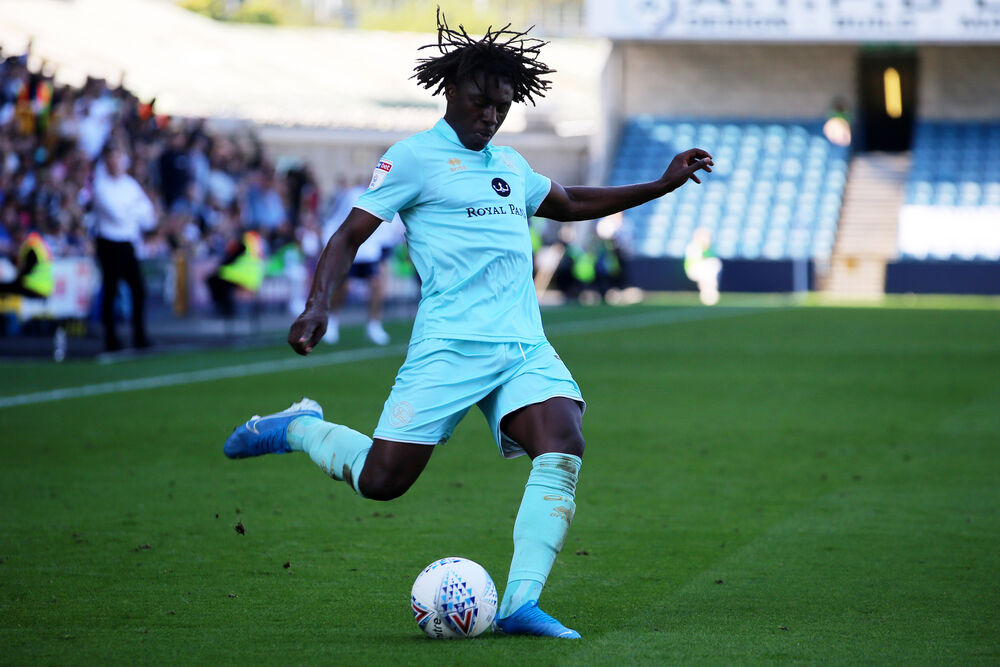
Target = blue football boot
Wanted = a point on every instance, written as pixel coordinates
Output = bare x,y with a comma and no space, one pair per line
267,435
530,620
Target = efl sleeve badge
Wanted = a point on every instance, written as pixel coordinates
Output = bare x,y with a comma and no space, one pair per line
381,171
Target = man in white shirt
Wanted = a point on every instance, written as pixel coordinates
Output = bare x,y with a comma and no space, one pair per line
123,211
367,266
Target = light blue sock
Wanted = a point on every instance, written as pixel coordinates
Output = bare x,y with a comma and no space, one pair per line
541,526
339,451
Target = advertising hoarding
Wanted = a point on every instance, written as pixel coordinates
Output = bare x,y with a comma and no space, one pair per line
840,21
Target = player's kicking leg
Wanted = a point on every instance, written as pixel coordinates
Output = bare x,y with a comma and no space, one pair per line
268,434
550,433
378,470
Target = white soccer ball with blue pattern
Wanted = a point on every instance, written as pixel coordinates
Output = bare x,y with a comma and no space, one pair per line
454,598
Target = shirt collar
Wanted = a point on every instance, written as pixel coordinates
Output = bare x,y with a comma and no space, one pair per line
448,132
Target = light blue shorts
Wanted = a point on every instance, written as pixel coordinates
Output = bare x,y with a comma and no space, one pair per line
441,379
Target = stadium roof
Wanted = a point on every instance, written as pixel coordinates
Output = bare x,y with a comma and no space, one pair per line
195,66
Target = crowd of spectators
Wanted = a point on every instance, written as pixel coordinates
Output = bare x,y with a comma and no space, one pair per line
206,189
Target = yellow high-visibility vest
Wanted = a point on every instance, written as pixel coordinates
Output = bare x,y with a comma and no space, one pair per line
39,279
247,270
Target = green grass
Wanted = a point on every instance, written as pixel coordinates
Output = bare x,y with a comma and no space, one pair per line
760,485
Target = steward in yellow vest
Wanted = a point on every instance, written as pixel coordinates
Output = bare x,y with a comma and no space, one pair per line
242,266
34,269
246,268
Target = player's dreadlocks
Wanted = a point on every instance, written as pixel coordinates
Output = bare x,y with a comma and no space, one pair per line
504,52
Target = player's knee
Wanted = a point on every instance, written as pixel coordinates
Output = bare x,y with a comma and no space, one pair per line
572,443
566,440
383,485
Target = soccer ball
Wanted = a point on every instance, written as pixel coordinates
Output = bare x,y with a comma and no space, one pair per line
453,598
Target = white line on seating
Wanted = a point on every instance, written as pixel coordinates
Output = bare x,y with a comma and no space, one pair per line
636,321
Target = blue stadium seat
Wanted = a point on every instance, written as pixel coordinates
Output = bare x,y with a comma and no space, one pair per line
776,190
955,164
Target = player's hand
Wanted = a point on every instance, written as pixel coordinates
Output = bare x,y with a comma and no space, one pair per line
307,330
685,166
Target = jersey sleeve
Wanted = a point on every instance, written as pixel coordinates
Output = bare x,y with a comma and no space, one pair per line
536,188
395,185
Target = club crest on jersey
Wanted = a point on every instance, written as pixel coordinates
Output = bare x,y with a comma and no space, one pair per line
378,176
510,163
402,414
500,187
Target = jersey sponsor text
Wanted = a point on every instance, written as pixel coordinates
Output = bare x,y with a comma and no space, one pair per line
509,209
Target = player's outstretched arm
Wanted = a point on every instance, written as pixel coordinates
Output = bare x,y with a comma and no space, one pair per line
587,203
308,328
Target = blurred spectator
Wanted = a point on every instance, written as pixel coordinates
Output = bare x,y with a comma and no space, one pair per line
123,211
94,111
577,270
198,164
223,174
702,266
303,195
34,267
193,192
610,266
838,124
367,266
175,169
264,208
241,266
608,273
310,239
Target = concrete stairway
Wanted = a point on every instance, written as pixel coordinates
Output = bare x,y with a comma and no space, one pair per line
869,220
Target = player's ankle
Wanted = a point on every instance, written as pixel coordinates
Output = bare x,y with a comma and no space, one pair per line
517,594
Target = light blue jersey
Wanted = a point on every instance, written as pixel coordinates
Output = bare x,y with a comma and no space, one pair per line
466,216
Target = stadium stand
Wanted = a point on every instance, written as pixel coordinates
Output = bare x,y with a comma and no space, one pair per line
207,188
776,192
952,206
956,164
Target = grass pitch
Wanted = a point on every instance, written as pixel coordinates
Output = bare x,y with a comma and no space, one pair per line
760,485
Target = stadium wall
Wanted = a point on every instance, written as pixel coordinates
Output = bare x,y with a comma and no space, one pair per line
738,275
727,80
931,277
789,80
959,83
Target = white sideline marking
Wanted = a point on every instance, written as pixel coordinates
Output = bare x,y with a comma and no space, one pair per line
348,356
